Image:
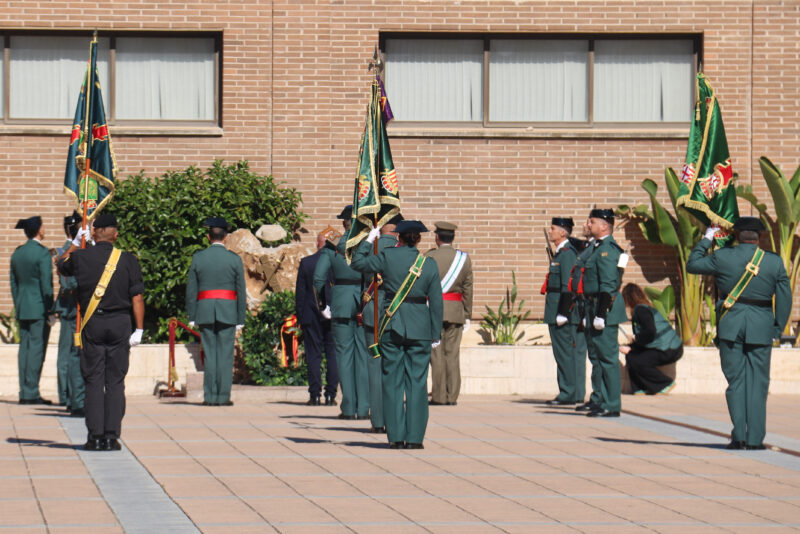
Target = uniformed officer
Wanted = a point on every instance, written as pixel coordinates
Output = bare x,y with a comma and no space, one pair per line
32,291
605,308
455,273
71,389
106,333
405,340
582,345
216,300
388,239
351,350
557,313
747,278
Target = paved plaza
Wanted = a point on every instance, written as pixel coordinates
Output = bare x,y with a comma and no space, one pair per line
490,464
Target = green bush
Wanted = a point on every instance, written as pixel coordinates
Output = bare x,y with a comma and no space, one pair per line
161,221
260,342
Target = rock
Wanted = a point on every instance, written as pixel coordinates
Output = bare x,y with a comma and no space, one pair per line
271,232
266,270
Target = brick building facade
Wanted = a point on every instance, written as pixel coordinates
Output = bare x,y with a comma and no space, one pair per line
294,85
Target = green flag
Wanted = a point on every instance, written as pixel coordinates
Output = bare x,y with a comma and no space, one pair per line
376,197
90,142
706,189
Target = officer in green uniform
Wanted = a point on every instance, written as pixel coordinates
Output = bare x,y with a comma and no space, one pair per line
32,291
344,308
747,324
455,273
405,342
557,312
216,300
388,239
605,308
582,345
71,389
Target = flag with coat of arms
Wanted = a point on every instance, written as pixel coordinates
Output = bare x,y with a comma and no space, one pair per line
706,186
90,146
376,196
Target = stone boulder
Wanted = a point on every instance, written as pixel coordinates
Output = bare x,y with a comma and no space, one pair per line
271,233
266,270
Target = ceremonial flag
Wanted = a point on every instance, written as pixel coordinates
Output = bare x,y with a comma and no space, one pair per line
376,197
90,145
705,188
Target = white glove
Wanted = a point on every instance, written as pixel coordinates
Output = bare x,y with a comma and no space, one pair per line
327,312
239,327
192,324
561,320
82,232
373,234
466,325
583,322
435,343
710,231
623,260
599,323
136,337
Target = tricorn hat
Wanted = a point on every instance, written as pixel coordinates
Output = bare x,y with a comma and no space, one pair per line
563,222
31,224
104,220
216,222
752,224
395,220
75,218
601,213
346,213
410,226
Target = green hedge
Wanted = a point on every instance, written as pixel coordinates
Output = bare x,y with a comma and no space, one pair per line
161,221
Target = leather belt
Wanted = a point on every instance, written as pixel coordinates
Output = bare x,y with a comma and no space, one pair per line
553,291
411,300
344,282
752,302
224,294
100,311
453,296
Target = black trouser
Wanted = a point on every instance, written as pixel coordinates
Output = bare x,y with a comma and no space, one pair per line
316,336
643,370
104,364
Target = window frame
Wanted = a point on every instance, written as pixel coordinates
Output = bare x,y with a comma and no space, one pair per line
490,127
124,126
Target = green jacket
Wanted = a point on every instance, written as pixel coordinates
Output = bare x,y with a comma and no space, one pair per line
602,276
66,304
346,292
664,338
32,281
384,241
216,268
558,299
415,321
758,325
578,310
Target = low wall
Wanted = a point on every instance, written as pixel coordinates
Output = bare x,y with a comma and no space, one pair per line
485,369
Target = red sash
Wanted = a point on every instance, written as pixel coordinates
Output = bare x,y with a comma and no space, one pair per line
224,294
452,296
544,286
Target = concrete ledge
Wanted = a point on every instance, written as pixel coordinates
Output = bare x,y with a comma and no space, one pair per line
485,369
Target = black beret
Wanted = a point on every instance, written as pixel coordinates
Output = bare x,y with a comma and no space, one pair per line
32,224
216,222
407,226
605,214
752,224
75,218
347,213
563,222
395,220
104,220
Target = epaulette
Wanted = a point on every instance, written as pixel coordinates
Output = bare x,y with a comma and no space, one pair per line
430,250
616,245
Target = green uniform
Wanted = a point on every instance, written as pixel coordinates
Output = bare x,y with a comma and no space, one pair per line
746,331
578,317
601,282
445,359
558,301
32,291
216,314
374,364
351,349
71,389
406,343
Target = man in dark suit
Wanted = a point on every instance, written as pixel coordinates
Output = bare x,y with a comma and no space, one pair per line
316,329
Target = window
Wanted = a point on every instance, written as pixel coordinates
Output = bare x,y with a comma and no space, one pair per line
569,81
146,78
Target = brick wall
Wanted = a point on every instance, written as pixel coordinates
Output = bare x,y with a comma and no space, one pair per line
295,90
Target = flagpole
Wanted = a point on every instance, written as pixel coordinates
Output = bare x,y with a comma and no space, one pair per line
376,66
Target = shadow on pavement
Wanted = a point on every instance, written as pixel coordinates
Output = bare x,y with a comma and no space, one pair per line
651,442
367,444
43,443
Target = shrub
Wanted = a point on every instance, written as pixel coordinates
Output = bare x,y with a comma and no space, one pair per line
502,324
161,221
260,342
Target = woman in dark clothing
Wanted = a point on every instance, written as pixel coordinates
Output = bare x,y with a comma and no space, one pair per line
654,343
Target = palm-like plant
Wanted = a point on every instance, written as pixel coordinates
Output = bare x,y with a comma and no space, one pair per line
680,231
502,324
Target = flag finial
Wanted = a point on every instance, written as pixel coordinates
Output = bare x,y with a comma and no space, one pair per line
376,64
